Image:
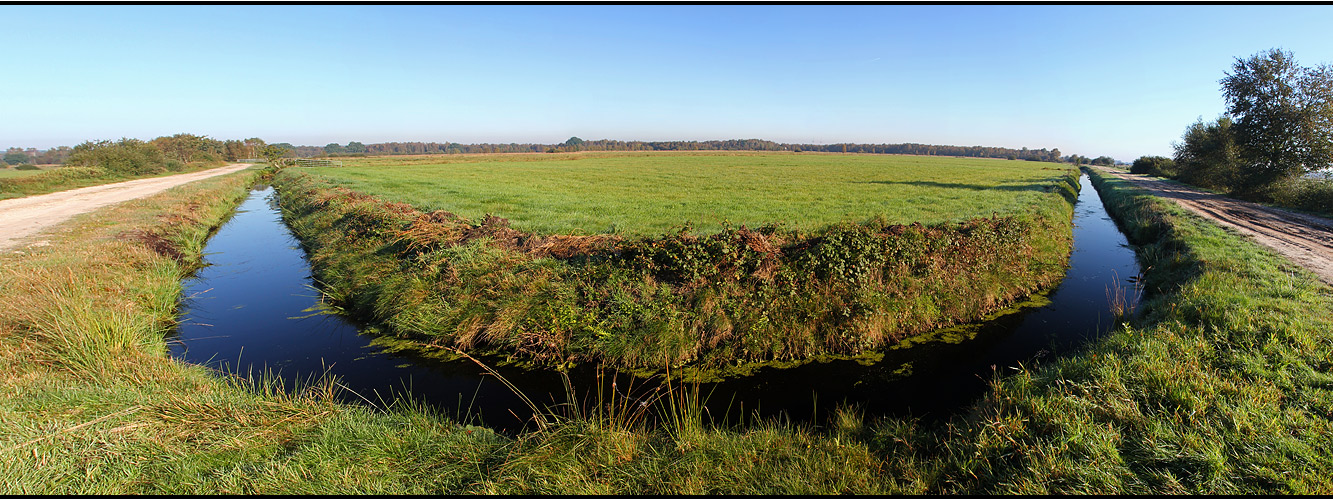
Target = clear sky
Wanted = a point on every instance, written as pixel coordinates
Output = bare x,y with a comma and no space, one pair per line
1110,80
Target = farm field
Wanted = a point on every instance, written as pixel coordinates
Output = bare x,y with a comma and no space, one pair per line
11,172
650,193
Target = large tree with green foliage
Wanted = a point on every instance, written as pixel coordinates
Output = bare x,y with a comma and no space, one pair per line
187,148
1209,156
16,157
1284,116
273,153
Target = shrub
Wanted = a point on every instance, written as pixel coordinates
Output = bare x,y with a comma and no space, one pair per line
1154,165
26,166
126,157
1314,195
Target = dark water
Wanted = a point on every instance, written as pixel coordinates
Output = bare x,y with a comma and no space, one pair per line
253,309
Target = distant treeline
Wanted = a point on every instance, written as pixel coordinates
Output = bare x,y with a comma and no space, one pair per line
190,148
183,148
576,144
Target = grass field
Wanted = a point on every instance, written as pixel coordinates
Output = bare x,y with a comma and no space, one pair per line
845,273
648,194
11,172
91,404
1222,386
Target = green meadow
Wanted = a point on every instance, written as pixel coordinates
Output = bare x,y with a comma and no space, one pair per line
788,256
652,193
1220,386
11,172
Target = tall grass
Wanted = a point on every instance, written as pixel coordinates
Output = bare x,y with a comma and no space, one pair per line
1221,386
91,404
738,295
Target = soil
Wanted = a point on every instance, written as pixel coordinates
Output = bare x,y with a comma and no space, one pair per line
1304,239
21,218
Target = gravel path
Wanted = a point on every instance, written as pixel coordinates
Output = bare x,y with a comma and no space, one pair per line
21,218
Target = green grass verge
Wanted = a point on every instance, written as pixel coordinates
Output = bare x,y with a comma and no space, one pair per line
91,404
649,194
735,296
1223,385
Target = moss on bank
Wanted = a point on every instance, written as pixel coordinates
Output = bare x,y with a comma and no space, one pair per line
738,295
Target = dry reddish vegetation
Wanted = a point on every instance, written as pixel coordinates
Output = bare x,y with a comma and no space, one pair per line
736,295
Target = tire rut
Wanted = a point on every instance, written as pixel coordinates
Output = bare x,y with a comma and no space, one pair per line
1306,240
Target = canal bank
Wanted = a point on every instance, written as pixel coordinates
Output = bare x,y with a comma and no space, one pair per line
256,308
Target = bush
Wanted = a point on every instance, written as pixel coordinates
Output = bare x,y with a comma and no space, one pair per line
26,166
126,157
1314,195
1154,165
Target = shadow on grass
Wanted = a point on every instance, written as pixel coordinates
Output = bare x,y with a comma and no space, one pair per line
1070,195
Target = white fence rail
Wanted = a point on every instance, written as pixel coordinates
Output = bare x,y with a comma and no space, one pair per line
311,162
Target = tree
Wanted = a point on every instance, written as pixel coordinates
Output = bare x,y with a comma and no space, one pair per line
1103,160
189,147
356,147
1209,156
253,146
274,152
334,148
1283,116
53,155
15,157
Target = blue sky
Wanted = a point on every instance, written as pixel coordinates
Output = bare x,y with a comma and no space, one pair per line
1122,81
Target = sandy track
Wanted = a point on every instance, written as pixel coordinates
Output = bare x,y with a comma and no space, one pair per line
1306,240
24,217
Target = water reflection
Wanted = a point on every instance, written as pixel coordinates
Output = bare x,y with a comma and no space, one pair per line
252,309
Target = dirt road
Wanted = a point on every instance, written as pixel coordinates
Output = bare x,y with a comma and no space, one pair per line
1305,239
24,217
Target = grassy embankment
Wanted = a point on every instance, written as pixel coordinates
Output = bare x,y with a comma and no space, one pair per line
838,274
91,404
1221,386
20,183
1224,384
